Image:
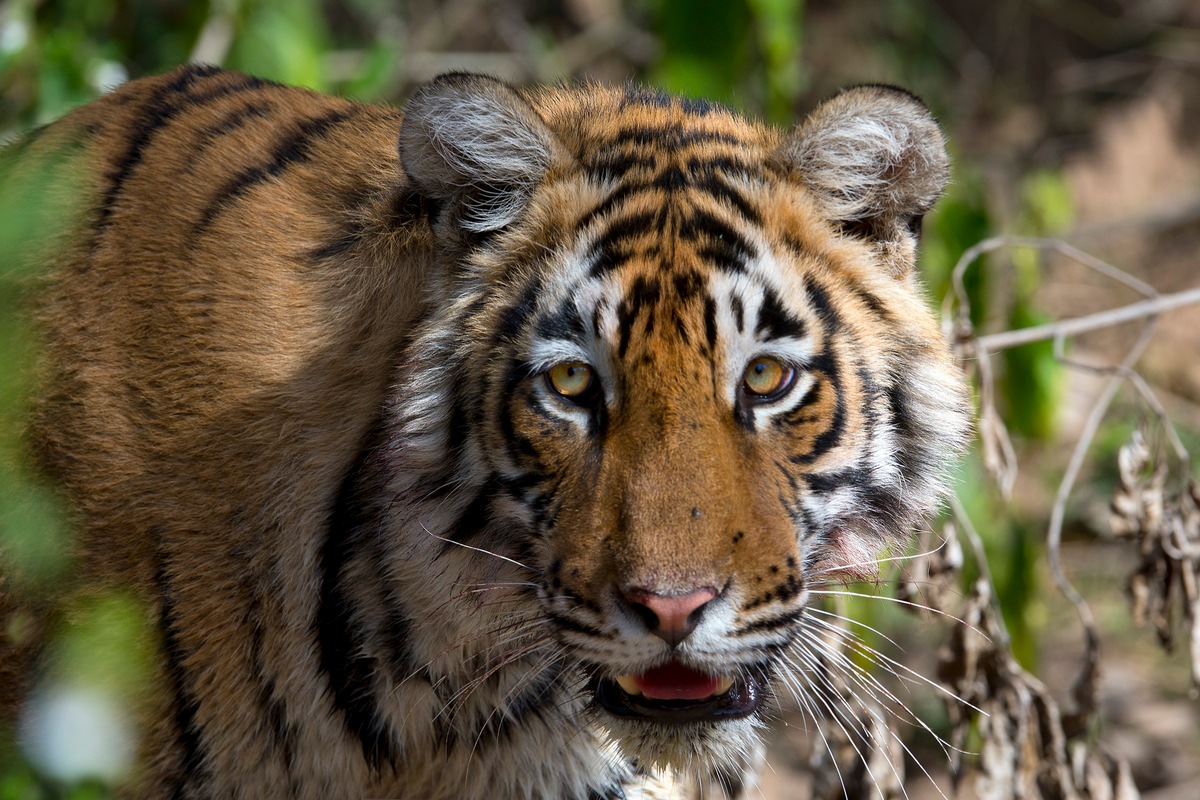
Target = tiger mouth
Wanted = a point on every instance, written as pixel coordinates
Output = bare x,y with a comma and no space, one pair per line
676,693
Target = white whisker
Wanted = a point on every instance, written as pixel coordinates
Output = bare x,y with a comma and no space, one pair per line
478,550
875,562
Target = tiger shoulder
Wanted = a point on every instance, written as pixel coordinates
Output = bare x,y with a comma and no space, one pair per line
499,446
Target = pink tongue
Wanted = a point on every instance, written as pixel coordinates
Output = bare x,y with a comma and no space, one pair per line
674,681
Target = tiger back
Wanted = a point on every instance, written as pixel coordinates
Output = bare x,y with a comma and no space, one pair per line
491,448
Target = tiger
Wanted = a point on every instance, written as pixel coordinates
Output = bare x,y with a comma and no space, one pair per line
492,446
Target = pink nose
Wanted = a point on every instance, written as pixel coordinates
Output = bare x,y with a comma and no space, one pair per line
671,617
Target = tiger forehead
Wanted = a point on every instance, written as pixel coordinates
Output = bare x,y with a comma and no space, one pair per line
614,131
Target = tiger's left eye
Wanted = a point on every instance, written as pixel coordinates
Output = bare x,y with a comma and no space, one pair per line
766,378
571,379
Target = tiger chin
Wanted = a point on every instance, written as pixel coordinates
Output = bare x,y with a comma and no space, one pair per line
492,447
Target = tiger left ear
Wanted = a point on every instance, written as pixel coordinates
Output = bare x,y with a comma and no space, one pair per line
876,161
474,142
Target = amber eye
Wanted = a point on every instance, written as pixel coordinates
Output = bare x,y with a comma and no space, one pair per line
766,377
571,379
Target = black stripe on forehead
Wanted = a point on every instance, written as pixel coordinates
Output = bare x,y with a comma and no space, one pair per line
818,296
775,320
515,317
642,295
671,180
614,246
718,242
654,98
670,136
563,323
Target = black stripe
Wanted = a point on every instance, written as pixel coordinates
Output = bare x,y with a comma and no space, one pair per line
725,246
873,303
522,712
351,672
566,623
913,453
207,136
292,150
609,165
775,320
881,503
611,250
654,98
645,292
773,624
699,176
271,705
193,771
670,136
710,324
856,477
722,256
515,318
564,324
615,197
802,249
670,180
829,438
341,245
726,164
688,284
162,107
406,208
818,296
519,449
729,197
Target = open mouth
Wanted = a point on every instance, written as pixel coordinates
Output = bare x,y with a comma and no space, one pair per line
675,693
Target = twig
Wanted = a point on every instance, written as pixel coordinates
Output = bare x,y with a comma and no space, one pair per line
1077,325
1058,512
984,567
972,254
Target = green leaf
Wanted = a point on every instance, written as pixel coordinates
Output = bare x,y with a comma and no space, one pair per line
282,41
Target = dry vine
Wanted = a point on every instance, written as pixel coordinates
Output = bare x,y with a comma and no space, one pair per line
1031,748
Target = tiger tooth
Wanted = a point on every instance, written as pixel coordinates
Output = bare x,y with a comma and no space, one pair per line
629,685
723,686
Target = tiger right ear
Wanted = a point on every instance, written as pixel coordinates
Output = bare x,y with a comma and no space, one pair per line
474,141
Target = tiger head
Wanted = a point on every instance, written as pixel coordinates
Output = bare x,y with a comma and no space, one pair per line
681,374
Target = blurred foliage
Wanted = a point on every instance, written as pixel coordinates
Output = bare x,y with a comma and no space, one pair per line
767,57
1034,384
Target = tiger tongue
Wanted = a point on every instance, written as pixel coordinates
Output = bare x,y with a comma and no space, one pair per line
674,681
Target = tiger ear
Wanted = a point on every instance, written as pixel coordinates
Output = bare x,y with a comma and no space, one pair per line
473,141
876,161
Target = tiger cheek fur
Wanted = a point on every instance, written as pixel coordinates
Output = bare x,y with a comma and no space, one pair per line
490,449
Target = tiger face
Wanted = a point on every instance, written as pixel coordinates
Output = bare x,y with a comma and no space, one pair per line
684,375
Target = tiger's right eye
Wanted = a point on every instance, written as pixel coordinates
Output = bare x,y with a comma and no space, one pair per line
571,379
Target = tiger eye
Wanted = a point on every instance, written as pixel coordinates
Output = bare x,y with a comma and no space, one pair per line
570,379
766,376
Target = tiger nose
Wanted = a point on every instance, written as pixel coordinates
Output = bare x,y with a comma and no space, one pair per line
670,617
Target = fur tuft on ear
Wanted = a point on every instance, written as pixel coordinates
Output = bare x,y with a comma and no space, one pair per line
474,141
875,158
